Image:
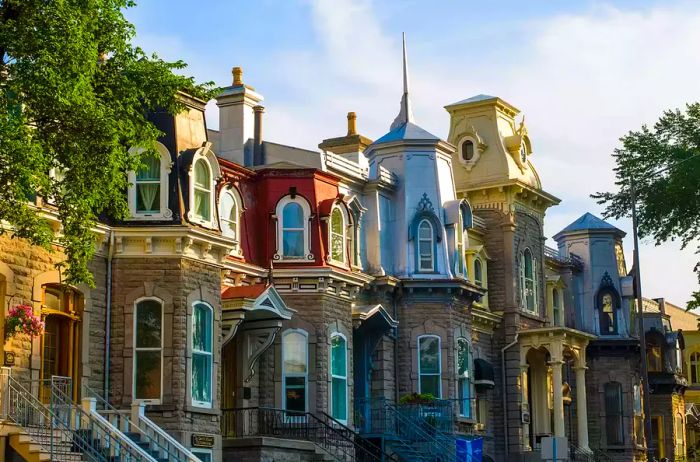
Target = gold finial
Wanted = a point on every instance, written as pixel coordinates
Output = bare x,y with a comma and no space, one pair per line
237,76
352,124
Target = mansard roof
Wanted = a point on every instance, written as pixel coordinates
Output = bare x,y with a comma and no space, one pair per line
407,131
590,222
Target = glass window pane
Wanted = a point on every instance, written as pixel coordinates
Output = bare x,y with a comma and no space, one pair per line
337,247
294,353
147,197
430,384
337,221
464,398
295,393
201,175
147,374
528,264
148,324
293,243
462,358
150,169
429,355
425,247
293,216
202,456
339,406
425,230
201,328
202,204
201,377
338,356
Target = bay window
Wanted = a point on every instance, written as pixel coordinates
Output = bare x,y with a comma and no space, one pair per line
293,229
429,365
202,355
295,370
339,377
148,351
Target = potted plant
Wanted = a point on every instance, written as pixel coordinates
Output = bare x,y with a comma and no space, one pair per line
21,320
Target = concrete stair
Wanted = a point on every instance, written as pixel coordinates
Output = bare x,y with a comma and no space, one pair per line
37,448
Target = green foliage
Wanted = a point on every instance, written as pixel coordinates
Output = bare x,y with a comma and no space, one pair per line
74,94
417,398
664,162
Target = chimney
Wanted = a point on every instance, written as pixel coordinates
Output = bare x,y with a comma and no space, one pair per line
236,117
352,124
258,154
662,305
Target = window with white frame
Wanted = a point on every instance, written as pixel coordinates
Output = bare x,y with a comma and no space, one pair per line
695,367
295,370
148,351
556,307
464,377
148,185
204,455
293,229
460,253
426,249
339,377
429,365
338,230
202,354
229,213
478,273
202,190
529,281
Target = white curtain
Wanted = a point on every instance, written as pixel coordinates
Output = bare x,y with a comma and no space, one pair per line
148,193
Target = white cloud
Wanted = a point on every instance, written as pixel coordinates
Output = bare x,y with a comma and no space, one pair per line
582,80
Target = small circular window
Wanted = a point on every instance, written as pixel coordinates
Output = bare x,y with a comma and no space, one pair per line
468,150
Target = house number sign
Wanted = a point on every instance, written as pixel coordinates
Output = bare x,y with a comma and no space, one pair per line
202,441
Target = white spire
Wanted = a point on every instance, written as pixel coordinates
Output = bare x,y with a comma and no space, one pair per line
405,113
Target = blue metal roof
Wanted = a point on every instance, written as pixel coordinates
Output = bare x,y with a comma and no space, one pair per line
407,131
589,221
473,99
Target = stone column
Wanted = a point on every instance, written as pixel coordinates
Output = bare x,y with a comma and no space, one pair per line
581,410
558,399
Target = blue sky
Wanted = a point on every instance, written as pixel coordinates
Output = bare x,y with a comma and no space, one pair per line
583,73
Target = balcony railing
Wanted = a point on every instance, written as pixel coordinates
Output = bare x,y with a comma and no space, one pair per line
573,259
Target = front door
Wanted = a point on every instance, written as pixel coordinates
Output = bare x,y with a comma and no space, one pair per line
229,382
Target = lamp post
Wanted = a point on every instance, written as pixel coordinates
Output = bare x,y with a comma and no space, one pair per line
640,309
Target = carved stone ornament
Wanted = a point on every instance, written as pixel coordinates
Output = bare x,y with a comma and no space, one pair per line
425,203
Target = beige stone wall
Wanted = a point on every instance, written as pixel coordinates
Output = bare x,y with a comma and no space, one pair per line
24,268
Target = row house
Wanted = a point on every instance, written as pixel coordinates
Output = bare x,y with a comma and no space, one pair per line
375,299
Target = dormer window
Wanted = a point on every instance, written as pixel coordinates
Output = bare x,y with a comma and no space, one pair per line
202,190
293,216
467,150
608,307
148,186
426,250
478,273
230,210
338,233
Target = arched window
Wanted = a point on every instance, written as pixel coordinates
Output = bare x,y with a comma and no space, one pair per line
529,281
148,351
148,186
339,377
467,150
613,413
202,190
464,377
229,213
695,367
478,273
338,239
556,307
655,358
202,354
429,365
607,313
293,230
295,369
426,249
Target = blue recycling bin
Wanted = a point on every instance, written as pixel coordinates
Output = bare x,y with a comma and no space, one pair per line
470,449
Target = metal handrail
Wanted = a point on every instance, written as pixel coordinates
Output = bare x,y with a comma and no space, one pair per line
359,439
261,421
111,442
172,453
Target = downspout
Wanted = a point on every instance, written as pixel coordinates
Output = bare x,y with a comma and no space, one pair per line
108,316
503,383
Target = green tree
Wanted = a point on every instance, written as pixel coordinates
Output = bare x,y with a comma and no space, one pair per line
664,163
74,97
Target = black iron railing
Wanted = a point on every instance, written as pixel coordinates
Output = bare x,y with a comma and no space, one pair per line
337,440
